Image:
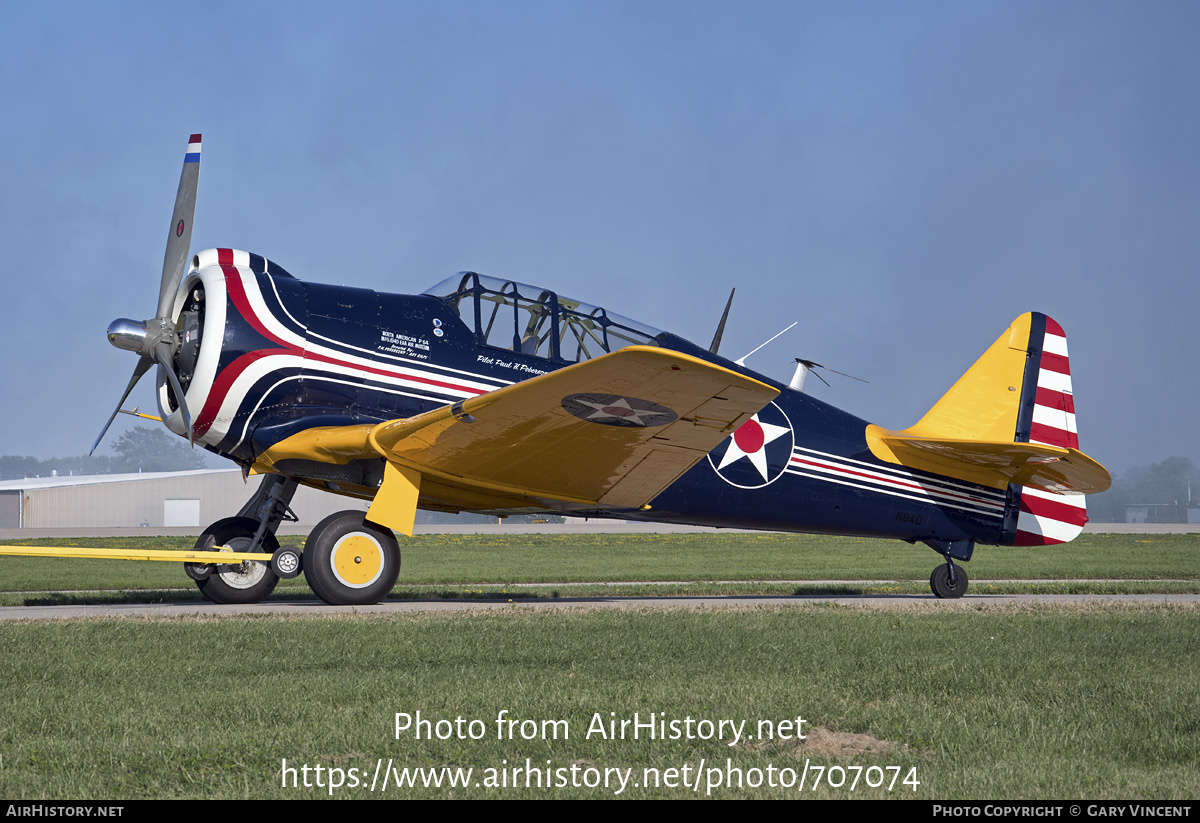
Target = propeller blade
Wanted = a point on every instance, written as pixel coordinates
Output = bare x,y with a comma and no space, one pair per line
162,353
179,241
716,342
812,364
142,367
843,374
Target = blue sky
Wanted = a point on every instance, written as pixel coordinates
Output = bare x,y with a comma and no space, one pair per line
902,178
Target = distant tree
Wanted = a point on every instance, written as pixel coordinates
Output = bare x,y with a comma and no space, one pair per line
154,450
16,468
1166,485
13,467
83,464
139,449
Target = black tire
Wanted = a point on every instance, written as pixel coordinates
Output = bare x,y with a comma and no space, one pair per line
287,562
939,581
350,562
247,582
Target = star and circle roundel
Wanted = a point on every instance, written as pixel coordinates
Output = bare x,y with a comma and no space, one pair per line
615,410
757,453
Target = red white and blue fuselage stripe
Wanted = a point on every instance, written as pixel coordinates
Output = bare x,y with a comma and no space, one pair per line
282,349
897,481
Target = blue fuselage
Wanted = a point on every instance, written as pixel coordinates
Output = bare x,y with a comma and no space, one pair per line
296,355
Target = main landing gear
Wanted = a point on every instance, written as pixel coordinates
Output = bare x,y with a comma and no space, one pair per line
346,560
350,562
948,581
246,582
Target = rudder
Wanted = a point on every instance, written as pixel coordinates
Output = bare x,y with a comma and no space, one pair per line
1045,517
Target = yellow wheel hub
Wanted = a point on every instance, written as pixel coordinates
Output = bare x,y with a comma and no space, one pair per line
357,560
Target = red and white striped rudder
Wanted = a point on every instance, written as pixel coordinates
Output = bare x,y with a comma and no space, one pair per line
1045,517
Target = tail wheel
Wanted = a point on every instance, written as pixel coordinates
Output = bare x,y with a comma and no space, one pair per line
247,582
350,562
943,589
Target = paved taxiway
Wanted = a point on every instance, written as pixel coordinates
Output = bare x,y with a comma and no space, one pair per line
316,608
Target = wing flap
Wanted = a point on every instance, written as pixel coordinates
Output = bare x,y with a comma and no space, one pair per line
642,482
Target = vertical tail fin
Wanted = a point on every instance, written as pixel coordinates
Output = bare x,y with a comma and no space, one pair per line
1009,423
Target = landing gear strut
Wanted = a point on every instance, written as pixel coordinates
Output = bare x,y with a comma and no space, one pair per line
948,581
253,530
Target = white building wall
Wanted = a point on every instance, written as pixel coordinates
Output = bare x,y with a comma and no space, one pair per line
134,503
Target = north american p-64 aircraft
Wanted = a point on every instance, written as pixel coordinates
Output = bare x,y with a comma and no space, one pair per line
488,395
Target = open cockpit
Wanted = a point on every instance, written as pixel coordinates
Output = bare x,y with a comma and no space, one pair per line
508,315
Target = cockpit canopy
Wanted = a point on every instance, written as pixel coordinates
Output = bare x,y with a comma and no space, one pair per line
536,321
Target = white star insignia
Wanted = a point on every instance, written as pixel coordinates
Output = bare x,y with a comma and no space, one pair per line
617,410
745,442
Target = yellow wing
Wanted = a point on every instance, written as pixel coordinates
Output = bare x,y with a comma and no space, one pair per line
609,433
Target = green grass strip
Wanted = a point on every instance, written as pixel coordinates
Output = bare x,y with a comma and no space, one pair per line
1012,702
534,558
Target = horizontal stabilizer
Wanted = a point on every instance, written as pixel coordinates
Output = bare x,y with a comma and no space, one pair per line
994,464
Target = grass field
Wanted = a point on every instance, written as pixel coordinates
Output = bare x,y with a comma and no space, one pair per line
444,565
1011,702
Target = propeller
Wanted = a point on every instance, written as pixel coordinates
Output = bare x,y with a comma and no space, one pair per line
157,340
808,366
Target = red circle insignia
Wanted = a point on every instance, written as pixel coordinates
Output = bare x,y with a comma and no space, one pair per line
179,229
750,437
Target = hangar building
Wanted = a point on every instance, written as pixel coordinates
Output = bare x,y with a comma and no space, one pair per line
150,500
